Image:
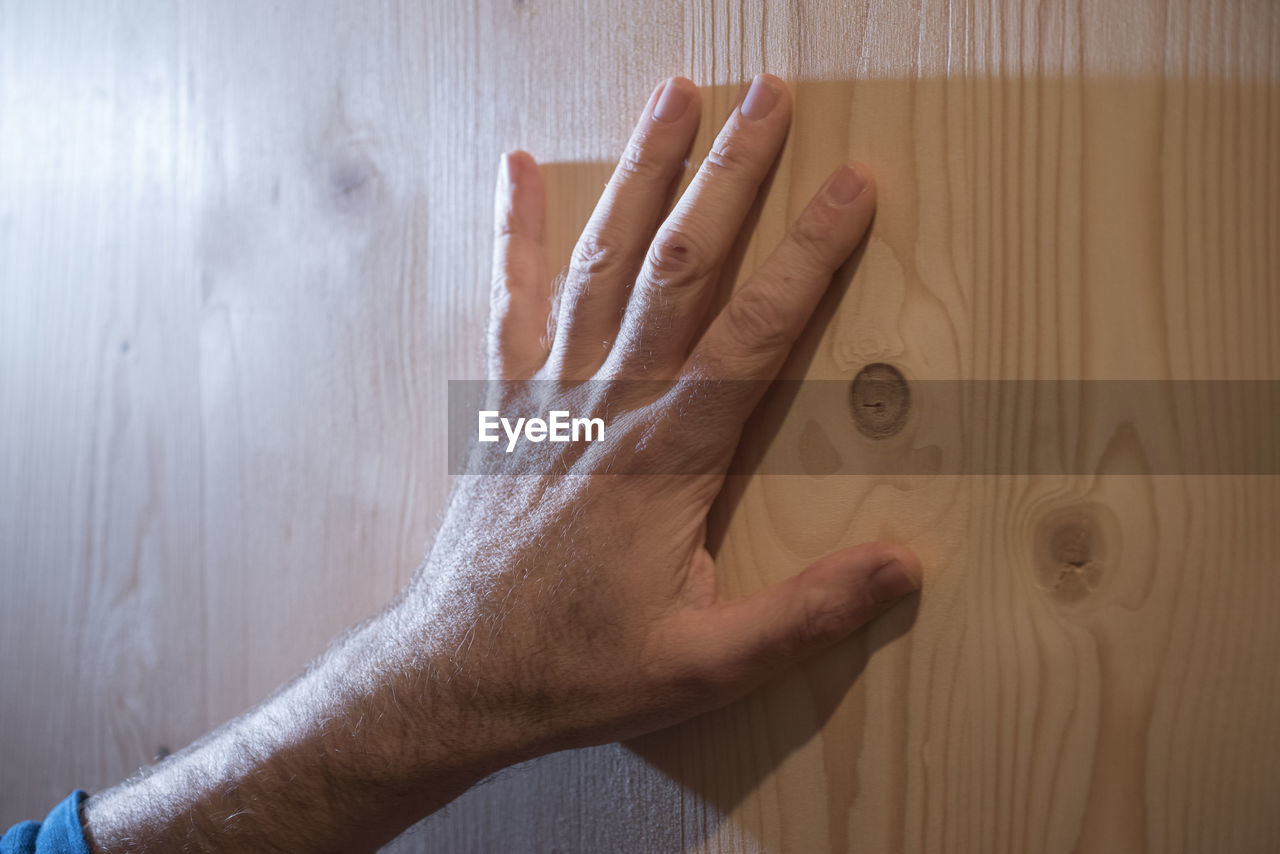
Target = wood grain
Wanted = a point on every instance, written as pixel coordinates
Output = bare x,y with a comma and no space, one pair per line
243,248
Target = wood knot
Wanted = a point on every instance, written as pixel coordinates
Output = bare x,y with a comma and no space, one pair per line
353,182
1075,547
879,400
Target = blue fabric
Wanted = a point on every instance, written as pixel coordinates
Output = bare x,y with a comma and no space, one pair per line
60,833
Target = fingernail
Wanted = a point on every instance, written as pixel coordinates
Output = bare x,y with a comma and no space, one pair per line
673,101
890,583
760,98
846,185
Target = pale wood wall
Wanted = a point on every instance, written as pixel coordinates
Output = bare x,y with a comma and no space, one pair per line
243,246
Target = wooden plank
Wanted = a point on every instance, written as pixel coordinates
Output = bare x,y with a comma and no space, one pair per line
244,247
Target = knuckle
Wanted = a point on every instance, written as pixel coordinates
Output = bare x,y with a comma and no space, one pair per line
509,279
594,256
822,620
648,449
504,228
757,319
729,156
640,160
676,257
500,289
814,236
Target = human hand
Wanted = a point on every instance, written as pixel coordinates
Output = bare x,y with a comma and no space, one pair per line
559,609
581,607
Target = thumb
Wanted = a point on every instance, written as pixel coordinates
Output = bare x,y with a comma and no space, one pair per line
749,640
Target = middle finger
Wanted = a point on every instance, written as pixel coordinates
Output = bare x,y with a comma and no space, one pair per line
672,292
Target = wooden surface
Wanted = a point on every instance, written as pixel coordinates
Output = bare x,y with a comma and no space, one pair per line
243,247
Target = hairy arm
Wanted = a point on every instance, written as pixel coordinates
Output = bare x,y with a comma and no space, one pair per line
368,740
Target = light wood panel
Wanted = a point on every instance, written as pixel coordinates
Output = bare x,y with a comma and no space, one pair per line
243,247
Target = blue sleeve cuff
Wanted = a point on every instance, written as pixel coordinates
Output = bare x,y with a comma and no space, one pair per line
60,833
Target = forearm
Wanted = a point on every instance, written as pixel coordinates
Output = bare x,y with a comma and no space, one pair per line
343,758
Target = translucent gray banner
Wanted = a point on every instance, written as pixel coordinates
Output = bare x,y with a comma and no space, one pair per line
877,424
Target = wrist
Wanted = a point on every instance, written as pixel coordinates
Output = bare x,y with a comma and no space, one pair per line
406,719
459,720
